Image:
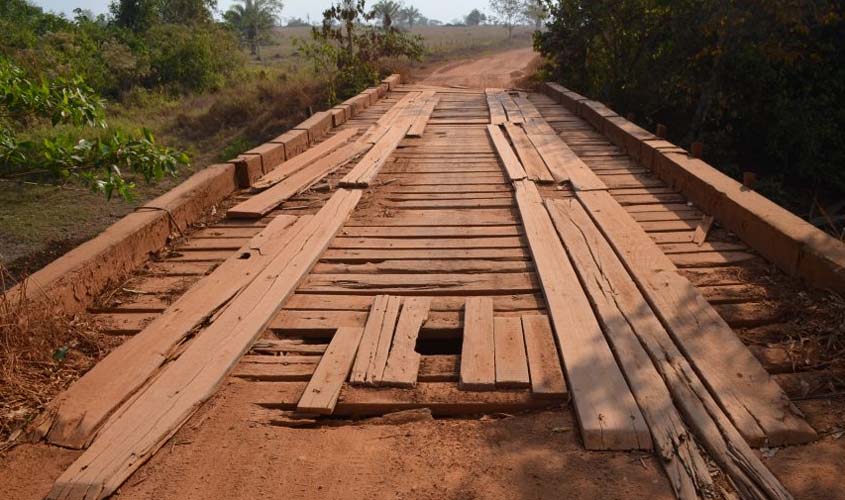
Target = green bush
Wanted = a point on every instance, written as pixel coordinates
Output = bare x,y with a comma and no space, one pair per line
191,60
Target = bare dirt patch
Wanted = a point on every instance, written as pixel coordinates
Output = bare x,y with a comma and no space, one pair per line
499,70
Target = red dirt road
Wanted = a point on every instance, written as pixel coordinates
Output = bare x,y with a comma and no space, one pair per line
497,70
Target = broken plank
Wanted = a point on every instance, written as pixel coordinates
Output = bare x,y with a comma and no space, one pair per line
368,167
321,393
418,125
511,362
607,412
369,341
535,167
403,363
375,369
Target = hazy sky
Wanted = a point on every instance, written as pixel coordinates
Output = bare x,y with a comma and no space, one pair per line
444,10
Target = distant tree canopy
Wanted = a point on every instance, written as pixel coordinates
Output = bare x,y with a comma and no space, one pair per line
762,84
475,17
254,19
509,13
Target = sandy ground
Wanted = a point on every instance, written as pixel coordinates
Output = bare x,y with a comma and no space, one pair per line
233,449
498,70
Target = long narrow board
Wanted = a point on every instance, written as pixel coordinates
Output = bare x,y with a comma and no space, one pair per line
512,165
613,294
375,369
368,167
76,414
607,412
369,341
403,364
543,360
755,403
511,362
321,393
263,203
653,364
494,104
145,423
533,163
478,362
302,160
418,126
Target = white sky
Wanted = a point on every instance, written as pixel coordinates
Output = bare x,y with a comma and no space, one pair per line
443,10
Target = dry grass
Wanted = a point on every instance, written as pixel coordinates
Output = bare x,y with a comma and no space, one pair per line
41,353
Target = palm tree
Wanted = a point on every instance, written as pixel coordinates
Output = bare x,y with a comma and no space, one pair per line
253,19
411,15
387,11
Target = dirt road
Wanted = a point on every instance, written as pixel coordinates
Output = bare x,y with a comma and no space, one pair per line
498,70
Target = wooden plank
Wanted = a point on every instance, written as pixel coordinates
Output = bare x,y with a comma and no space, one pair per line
144,424
702,229
320,302
369,341
494,105
543,360
754,402
368,167
76,414
375,369
263,203
511,361
430,243
418,126
550,150
657,371
607,413
512,165
478,364
535,167
288,168
321,393
423,284
403,363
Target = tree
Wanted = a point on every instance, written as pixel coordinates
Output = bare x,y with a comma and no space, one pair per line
510,12
386,11
411,15
536,11
475,17
141,15
253,19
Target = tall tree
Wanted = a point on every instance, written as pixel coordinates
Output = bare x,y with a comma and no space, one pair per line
386,11
411,15
141,15
510,12
254,19
475,17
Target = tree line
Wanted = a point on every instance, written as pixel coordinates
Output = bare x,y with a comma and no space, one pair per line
761,84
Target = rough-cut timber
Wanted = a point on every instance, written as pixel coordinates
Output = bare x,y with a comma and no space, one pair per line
478,363
140,427
368,167
511,362
369,341
543,360
755,403
534,165
321,393
76,414
403,363
607,413
262,203
632,326
511,163
375,369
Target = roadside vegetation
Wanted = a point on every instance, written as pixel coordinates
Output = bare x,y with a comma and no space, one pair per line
761,85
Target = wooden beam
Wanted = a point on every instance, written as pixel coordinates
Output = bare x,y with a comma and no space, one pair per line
368,167
607,412
75,415
511,362
534,165
145,423
478,364
511,163
375,369
369,341
297,163
321,393
403,363
543,359
755,403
